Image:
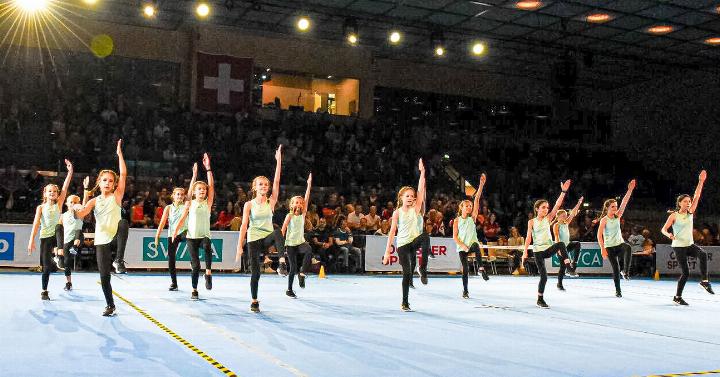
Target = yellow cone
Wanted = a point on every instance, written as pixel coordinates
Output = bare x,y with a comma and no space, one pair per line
657,275
321,275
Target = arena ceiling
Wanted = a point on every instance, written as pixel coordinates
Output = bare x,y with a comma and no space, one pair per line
520,42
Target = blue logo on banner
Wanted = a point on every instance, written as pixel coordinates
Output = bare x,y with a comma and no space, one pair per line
7,246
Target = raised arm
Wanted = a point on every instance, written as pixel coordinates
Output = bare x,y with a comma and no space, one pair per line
120,189
192,180
478,195
307,194
698,191
670,221
421,188
626,198
88,206
276,179
243,230
558,203
528,241
210,179
601,238
66,183
161,226
180,223
35,227
556,231
575,210
391,238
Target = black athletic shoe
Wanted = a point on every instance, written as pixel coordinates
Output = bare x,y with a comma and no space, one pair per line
707,286
484,275
68,286
679,301
109,311
560,287
73,250
541,303
208,282
255,307
571,273
412,286
282,269
466,294
431,255
405,307
44,295
301,281
119,267
194,295
423,276
618,294
173,287
625,275
290,293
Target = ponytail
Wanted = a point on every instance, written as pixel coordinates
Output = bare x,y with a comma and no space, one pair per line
253,192
606,205
400,194
537,205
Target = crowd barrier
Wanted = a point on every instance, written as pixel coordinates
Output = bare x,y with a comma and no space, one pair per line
141,252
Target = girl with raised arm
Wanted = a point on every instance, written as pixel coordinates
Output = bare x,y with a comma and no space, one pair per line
197,215
610,239
409,239
683,245
465,235
562,234
258,227
171,215
293,230
111,231
543,247
47,216
69,235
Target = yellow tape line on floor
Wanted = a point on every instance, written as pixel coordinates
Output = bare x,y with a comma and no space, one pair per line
177,337
717,371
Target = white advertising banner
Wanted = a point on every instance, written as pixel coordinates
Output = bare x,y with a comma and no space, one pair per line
446,259
140,252
667,263
590,261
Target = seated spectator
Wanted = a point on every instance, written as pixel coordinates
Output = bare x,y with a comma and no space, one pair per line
225,217
644,260
387,212
322,242
311,217
138,219
159,211
491,229
373,220
363,228
353,218
344,241
515,239
384,228
636,240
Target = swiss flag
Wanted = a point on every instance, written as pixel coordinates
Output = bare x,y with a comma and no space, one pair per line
222,83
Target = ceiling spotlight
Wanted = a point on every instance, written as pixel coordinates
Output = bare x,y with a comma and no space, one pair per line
395,37
715,41
438,43
303,24
478,48
31,6
350,30
202,10
660,29
528,5
90,2
597,18
148,10
439,51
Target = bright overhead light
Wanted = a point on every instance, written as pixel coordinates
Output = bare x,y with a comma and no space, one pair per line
713,41
352,39
528,5
149,10
395,37
202,10
439,51
660,29
597,18
303,24
31,6
90,2
478,48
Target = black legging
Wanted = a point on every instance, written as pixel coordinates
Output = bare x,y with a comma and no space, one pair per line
681,253
104,252
293,252
172,255
123,228
256,249
193,246
46,258
556,248
464,262
574,247
67,257
614,254
422,241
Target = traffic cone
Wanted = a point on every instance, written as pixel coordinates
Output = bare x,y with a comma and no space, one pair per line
657,275
321,275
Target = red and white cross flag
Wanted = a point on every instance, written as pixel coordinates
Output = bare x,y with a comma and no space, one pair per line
222,83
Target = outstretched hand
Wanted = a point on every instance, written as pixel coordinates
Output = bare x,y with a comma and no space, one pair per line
206,161
68,165
309,180
86,183
278,153
564,186
631,185
702,176
119,147
483,179
421,165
